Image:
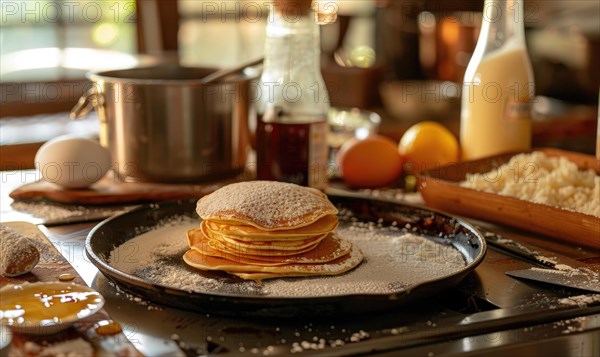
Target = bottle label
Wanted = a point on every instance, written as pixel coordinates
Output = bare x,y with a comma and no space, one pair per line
318,155
517,111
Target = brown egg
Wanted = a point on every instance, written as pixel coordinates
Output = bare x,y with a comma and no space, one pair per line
369,163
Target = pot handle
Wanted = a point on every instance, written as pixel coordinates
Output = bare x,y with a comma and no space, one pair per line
86,103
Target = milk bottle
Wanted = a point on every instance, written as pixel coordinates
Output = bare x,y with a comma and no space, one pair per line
498,87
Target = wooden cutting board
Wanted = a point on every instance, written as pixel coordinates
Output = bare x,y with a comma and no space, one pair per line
113,191
51,265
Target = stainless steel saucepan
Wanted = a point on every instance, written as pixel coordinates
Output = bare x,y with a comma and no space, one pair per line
163,124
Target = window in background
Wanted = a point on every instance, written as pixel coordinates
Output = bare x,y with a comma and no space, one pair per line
50,40
221,33
226,33
46,47
56,39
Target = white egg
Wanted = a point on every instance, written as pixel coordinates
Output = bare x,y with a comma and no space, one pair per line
72,162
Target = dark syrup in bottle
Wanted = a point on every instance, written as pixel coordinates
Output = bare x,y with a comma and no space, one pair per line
294,152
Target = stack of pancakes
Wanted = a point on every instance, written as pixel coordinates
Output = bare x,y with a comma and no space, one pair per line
262,229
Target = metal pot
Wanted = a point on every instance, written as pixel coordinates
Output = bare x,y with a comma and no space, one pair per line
161,124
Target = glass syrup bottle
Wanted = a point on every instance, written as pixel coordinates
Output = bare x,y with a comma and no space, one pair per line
292,129
498,87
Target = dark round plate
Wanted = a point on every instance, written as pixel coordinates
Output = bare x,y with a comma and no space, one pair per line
437,226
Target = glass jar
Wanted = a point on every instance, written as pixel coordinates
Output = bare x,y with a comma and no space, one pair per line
291,133
498,87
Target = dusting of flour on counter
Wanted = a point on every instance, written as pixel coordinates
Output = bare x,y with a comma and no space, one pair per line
394,260
580,300
56,212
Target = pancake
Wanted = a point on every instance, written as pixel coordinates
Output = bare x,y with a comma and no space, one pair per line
267,205
258,252
335,267
278,245
266,245
245,232
328,249
196,236
264,276
261,244
262,230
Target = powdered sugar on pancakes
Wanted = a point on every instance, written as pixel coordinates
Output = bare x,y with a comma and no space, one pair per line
265,204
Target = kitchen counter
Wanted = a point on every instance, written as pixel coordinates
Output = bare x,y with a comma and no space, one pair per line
487,314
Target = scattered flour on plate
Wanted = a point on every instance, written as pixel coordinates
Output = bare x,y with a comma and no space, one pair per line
156,256
394,260
398,194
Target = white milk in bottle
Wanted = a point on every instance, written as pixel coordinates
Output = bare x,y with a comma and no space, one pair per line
498,88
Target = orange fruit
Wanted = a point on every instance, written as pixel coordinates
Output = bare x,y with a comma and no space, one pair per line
427,145
369,163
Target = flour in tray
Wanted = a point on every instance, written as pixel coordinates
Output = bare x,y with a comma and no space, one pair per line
395,259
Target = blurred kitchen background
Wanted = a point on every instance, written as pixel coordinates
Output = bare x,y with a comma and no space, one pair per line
402,58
